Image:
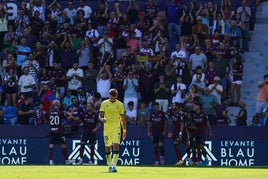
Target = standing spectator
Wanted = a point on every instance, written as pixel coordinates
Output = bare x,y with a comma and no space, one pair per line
162,93
200,29
91,124
26,112
68,53
32,65
131,114
157,129
222,66
92,36
95,99
191,97
75,77
199,83
222,118
87,10
210,73
36,23
40,117
47,97
26,83
59,74
262,95
22,52
173,11
132,12
236,79
90,75
104,81
178,90
71,12
112,115
84,54
131,86
56,132
51,54
3,22
143,114
151,9
105,45
241,117
216,89
178,53
11,85
245,13
209,102
67,99
35,5
197,59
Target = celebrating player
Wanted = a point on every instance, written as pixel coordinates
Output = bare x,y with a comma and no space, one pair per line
91,124
200,121
56,134
179,134
157,128
112,115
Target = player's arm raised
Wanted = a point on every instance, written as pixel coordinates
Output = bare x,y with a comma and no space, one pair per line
123,125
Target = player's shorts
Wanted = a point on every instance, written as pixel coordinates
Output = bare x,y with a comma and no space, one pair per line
90,137
112,136
157,138
57,138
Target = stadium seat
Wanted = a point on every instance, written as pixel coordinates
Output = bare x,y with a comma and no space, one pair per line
10,115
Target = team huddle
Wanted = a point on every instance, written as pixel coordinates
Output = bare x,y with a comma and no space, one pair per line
187,128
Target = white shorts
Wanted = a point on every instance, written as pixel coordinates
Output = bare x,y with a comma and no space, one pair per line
238,82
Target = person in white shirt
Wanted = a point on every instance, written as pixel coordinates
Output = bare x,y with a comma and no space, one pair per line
35,5
104,81
178,53
216,89
131,113
26,82
178,90
86,9
74,76
71,12
105,45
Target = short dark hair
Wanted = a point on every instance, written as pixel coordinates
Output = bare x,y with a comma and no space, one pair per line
130,103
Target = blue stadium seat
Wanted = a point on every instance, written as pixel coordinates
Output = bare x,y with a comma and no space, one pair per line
10,115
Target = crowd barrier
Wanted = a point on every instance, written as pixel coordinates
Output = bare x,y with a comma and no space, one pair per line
230,146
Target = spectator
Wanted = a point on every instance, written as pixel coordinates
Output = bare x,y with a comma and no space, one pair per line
51,54
197,59
235,33
219,24
245,13
131,114
10,87
75,77
59,74
26,112
162,93
236,79
199,83
241,117
104,81
67,99
36,23
255,121
32,65
22,52
187,22
178,90
200,29
209,102
90,75
262,95
22,21
26,82
41,117
216,89
71,12
191,97
131,86
132,12
10,63
35,5
147,80
68,52
173,11
143,114
222,118
95,99
46,97
210,73
87,9
84,54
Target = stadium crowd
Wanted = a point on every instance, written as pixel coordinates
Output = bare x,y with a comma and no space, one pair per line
183,53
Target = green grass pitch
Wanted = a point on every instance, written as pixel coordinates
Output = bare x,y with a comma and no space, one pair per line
125,172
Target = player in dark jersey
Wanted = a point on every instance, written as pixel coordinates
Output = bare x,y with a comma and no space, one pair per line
157,128
56,133
91,124
179,134
200,121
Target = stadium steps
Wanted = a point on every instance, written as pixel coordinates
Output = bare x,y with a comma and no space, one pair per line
255,61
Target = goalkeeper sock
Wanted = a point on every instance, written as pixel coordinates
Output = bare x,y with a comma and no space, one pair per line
115,157
108,158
